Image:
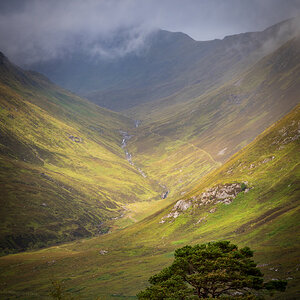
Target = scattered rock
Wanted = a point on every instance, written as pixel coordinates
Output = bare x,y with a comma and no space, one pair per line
266,160
51,262
262,265
218,194
203,219
75,139
175,214
103,252
235,99
229,171
287,134
137,123
164,195
222,152
182,205
178,208
237,293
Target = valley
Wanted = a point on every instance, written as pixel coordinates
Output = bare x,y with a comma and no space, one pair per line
64,162
185,143
264,217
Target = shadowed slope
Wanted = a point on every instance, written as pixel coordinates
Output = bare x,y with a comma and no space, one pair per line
63,173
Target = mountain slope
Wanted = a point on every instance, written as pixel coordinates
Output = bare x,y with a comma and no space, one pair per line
263,214
58,146
181,141
167,63
63,172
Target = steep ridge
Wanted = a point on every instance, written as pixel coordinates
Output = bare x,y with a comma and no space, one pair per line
252,199
167,63
181,142
63,172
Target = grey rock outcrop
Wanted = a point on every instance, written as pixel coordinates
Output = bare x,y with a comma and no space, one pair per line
178,208
218,194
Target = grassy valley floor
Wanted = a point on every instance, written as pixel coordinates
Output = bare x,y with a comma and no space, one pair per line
116,266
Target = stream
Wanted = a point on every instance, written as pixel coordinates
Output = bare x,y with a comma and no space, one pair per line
125,138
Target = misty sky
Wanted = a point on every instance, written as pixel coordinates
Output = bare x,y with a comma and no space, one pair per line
39,30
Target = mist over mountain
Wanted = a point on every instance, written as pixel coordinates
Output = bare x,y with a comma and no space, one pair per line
33,31
165,63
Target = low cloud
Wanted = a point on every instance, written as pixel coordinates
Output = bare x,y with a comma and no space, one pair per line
33,30
286,31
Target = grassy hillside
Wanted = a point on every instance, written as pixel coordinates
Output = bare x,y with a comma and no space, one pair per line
252,199
63,172
181,140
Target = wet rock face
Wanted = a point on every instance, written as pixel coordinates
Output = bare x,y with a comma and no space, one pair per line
218,194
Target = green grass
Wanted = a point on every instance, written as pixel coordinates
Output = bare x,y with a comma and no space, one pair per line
52,188
265,218
58,191
177,144
182,138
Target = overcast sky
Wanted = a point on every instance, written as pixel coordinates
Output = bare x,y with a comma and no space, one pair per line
36,30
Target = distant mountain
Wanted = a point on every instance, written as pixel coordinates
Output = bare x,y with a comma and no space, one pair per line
63,173
167,63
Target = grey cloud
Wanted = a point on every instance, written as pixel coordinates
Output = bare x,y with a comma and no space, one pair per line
35,30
